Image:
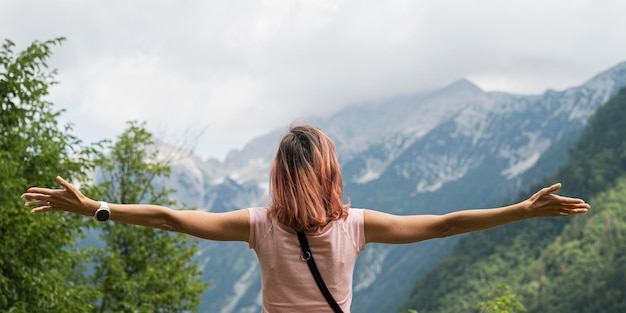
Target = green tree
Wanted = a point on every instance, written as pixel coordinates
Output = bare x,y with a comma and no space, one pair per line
39,270
500,299
141,269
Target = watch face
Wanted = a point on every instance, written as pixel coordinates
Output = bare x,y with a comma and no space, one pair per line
102,215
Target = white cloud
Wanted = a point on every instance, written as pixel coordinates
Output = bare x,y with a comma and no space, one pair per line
241,68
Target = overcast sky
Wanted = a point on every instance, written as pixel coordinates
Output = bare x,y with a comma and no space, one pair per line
238,69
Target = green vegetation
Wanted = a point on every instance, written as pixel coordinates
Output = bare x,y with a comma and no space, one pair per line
41,268
500,300
38,272
141,269
573,264
551,265
584,269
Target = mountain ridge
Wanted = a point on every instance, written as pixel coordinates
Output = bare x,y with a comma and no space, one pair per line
554,265
404,155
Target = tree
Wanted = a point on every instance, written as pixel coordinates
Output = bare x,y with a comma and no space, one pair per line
39,269
141,269
500,299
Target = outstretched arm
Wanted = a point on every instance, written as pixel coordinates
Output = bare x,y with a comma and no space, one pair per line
229,226
388,228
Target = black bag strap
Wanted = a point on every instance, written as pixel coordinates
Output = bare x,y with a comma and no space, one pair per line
307,256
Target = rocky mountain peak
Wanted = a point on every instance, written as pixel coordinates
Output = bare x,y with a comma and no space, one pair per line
429,153
461,86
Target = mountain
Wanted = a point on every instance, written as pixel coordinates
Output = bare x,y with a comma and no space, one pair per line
457,147
573,264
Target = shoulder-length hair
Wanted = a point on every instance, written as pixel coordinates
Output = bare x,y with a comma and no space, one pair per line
305,181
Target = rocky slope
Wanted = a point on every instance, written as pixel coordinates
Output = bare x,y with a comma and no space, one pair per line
457,147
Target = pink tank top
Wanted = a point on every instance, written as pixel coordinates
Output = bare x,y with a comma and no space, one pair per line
287,282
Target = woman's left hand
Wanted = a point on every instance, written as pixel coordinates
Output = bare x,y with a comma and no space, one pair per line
546,203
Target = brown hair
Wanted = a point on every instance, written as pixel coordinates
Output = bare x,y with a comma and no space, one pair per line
305,180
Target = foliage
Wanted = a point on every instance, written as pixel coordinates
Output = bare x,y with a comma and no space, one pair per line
600,156
584,269
500,300
553,264
38,270
141,269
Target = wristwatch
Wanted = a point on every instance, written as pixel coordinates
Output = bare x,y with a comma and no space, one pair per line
103,212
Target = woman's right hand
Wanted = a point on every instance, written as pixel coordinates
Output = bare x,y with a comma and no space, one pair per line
68,199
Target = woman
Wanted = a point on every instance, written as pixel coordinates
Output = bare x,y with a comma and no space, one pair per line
307,191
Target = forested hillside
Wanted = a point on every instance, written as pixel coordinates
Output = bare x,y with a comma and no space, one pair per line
428,153
575,264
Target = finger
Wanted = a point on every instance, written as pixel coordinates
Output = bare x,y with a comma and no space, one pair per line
573,202
39,190
554,188
69,187
35,203
65,184
546,191
42,209
581,205
568,200
36,196
568,212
